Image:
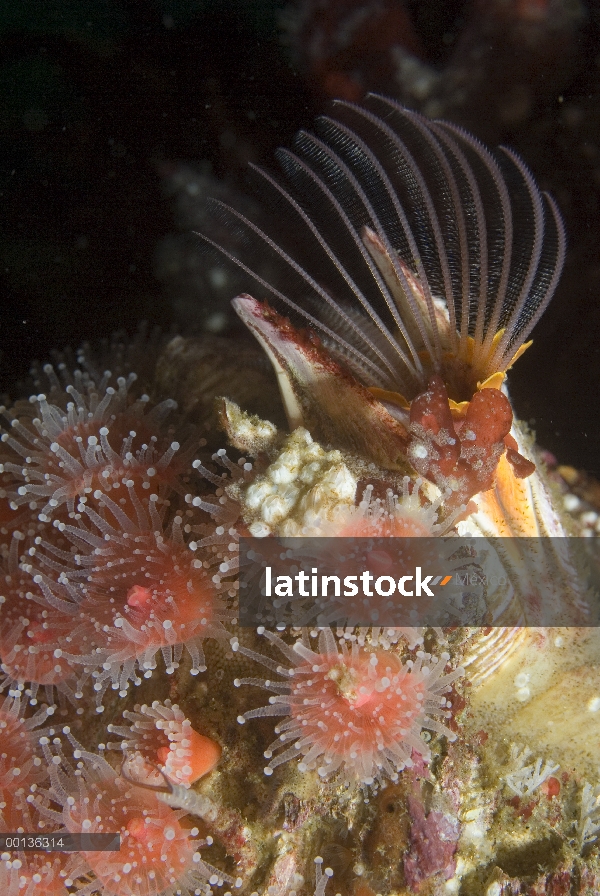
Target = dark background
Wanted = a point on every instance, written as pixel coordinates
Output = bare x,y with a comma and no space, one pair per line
105,105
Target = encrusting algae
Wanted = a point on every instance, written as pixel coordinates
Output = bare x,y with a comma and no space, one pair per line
406,266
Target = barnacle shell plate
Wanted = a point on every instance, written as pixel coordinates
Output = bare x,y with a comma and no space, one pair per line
529,683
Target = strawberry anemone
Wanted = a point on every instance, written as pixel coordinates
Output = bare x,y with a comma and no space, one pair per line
161,734
135,589
87,436
395,516
354,712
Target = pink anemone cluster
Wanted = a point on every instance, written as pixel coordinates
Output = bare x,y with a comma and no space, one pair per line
157,855
116,557
42,794
137,590
103,572
100,577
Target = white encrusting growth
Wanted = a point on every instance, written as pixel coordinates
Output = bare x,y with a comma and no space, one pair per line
299,491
